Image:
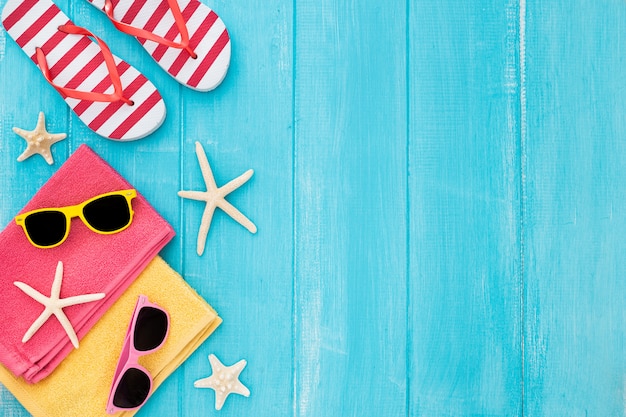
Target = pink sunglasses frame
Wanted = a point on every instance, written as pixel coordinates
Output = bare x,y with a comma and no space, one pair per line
129,355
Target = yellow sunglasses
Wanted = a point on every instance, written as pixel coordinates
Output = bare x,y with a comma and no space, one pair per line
104,214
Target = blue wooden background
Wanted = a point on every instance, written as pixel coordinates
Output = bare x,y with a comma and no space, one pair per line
440,193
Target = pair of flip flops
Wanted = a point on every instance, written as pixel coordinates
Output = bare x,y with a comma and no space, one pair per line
185,37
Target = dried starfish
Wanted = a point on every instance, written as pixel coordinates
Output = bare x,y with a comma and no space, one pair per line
55,305
39,140
214,197
224,380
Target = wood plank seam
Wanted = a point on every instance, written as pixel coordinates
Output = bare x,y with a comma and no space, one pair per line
522,186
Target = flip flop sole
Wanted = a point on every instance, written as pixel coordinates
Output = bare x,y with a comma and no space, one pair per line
208,37
76,62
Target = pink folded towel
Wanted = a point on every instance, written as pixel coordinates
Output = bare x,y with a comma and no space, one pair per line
92,263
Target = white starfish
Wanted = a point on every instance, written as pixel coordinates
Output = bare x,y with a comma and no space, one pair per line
39,140
55,305
224,380
214,197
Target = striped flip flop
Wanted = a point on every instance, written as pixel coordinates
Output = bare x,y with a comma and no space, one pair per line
107,94
185,37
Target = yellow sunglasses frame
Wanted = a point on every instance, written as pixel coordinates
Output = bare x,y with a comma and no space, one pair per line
77,211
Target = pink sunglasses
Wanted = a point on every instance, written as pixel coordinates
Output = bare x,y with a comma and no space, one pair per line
147,331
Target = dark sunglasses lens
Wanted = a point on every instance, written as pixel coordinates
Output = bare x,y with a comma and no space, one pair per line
150,328
133,389
46,228
107,214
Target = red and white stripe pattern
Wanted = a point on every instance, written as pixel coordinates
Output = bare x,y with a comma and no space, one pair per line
208,38
76,62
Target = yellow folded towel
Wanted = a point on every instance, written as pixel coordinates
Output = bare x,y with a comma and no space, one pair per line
80,386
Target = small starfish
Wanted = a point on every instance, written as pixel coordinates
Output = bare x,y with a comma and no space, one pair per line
224,380
214,197
55,305
39,140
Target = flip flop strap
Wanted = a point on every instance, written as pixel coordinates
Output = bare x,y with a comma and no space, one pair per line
145,34
108,59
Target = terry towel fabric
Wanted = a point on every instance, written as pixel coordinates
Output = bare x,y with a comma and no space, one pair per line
80,386
92,263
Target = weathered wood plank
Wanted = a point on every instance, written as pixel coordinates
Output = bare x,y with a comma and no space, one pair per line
576,158
245,124
465,283
350,208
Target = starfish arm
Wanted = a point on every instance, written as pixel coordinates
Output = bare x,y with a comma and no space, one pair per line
232,185
47,156
28,152
55,292
31,292
238,367
57,137
205,225
80,299
241,389
216,364
41,122
194,195
207,174
220,399
204,383
238,387
60,315
23,133
43,317
236,215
